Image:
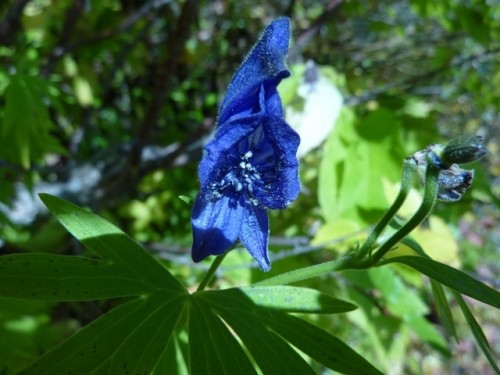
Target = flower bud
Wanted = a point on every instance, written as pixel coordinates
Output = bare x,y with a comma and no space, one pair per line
453,183
464,149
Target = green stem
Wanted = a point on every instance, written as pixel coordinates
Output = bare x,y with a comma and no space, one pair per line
409,169
309,272
430,196
352,260
211,271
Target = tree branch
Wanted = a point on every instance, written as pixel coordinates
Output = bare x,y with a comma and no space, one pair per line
164,80
411,82
307,35
143,12
12,21
70,20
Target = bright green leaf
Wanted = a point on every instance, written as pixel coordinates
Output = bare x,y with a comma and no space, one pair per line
111,243
294,299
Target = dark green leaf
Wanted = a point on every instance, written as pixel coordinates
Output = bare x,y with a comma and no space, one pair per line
319,345
25,132
172,360
65,278
443,309
270,352
213,349
477,332
130,338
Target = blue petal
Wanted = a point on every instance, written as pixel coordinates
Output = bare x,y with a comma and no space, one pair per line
216,226
285,186
284,141
255,234
221,149
264,63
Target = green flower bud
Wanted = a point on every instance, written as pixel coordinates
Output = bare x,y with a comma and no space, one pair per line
464,149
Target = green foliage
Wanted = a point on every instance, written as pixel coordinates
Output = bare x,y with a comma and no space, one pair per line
26,125
453,278
96,85
147,323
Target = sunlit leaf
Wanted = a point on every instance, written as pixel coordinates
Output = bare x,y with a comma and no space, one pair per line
110,243
288,298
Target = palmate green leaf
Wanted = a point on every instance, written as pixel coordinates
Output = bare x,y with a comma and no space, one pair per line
284,298
110,243
134,336
477,332
271,353
319,345
130,338
256,325
452,278
172,361
295,299
49,277
212,348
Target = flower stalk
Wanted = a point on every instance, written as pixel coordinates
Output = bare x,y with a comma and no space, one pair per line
211,272
409,171
441,181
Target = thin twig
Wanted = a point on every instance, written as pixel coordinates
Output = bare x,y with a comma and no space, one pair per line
73,13
164,80
12,21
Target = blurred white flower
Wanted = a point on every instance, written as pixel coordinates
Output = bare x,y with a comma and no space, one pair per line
322,102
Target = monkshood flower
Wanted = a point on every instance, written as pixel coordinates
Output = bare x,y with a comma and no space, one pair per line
250,164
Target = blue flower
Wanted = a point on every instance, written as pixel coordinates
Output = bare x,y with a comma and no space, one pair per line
250,164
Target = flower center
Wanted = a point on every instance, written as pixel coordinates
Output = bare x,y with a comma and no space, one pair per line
241,179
